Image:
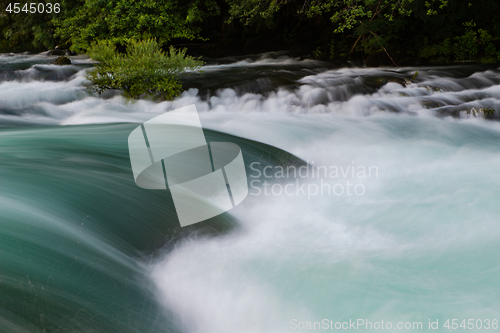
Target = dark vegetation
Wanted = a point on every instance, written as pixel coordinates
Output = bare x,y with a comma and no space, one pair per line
380,32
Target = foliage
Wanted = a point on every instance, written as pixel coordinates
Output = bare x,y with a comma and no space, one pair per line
404,31
473,42
367,18
120,20
441,51
19,32
346,14
83,22
145,70
432,4
429,29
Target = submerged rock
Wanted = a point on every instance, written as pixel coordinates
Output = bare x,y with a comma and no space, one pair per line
62,60
58,52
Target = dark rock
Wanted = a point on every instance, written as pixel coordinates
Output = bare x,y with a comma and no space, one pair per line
62,60
375,81
378,82
58,52
377,59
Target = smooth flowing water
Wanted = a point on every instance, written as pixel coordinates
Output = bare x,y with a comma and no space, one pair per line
414,237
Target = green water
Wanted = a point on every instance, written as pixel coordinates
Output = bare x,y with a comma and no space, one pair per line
84,249
77,232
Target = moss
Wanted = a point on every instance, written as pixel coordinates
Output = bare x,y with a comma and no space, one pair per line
62,60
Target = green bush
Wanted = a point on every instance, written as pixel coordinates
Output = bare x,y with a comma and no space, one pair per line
145,70
474,43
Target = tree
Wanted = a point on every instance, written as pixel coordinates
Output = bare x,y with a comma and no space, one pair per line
27,31
121,20
402,29
371,22
145,70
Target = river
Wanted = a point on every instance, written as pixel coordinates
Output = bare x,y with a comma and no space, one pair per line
395,217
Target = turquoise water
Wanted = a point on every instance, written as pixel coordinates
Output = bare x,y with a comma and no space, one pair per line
78,234
83,249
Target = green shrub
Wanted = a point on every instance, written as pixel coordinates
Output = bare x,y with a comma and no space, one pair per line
440,52
145,70
474,43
